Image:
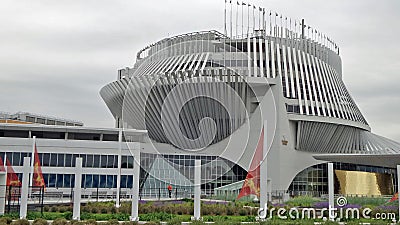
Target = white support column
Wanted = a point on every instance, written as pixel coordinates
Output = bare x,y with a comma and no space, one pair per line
77,190
398,186
135,185
32,161
3,182
117,203
197,189
25,188
264,185
331,191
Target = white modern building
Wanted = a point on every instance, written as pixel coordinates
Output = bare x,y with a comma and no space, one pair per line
208,95
59,146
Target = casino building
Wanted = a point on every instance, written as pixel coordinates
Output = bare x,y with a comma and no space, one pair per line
209,95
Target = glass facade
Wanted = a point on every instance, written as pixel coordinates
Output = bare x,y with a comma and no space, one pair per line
157,171
314,180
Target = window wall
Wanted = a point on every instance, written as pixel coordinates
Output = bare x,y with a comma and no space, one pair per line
68,160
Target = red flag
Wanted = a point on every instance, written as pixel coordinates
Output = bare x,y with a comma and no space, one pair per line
12,178
38,179
251,185
395,197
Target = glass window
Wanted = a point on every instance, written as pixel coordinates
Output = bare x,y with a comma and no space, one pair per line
74,156
68,160
16,159
103,161
95,181
83,156
96,161
46,159
60,159
110,161
72,180
103,181
130,162
129,181
110,181
88,181
115,181
124,161
83,181
89,161
53,159
67,180
52,180
123,181
60,180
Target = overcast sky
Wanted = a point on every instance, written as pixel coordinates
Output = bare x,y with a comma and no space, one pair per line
56,55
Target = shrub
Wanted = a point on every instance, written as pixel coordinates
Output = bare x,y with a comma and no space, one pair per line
302,201
6,220
104,210
40,221
197,222
160,216
91,222
153,223
94,210
20,222
353,223
76,222
328,222
175,221
59,221
113,222
129,223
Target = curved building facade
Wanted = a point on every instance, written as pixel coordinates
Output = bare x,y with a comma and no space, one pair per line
208,94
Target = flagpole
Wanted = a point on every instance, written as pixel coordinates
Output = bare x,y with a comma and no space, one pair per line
230,2
225,31
32,160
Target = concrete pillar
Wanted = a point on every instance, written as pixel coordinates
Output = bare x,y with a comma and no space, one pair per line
264,184
3,182
331,191
398,186
76,214
197,189
32,168
25,188
135,185
117,203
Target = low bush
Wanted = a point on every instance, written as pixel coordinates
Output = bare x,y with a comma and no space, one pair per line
328,222
40,221
112,222
153,223
302,201
91,222
20,222
175,221
156,217
59,221
5,220
129,223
